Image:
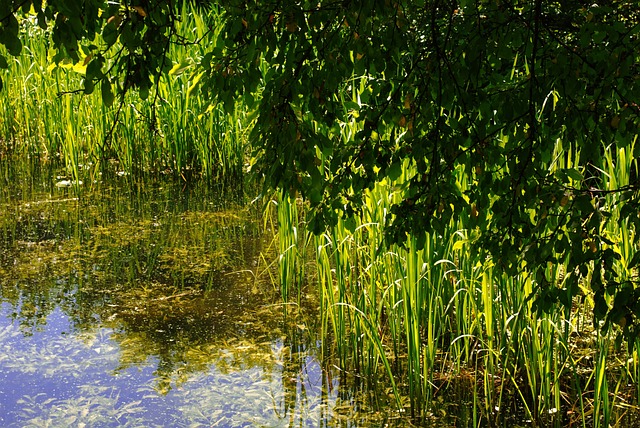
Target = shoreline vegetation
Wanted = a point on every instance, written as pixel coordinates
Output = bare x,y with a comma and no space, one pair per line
429,318
47,118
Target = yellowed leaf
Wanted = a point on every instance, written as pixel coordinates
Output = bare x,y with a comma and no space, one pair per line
407,101
474,211
140,11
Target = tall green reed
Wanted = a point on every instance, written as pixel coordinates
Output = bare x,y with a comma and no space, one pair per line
444,314
292,242
44,116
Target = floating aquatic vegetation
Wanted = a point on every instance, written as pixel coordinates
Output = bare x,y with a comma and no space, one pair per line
120,311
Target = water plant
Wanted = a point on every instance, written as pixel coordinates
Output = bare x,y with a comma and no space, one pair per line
471,228
46,117
442,314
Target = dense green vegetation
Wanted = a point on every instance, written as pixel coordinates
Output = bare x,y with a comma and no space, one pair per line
45,117
468,170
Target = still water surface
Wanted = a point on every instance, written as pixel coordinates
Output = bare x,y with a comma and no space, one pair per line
148,304
61,377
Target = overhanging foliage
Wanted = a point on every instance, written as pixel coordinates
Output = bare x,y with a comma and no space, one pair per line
432,90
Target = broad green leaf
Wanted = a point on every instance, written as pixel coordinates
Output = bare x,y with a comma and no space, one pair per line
12,43
144,92
94,67
110,33
107,93
394,171
89,86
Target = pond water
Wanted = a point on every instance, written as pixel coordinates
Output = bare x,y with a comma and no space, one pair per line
150,304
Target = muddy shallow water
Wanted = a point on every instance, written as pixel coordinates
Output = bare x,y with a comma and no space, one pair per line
147,304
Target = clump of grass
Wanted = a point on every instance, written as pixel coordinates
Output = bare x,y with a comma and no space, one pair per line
44,117
291,240
428,317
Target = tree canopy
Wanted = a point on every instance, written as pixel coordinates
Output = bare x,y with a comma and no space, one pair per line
426,92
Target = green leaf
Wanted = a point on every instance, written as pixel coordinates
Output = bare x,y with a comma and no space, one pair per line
574,174
394,170
600,307
110,34
94,68
107,93
194,83
42,20
13,44
89,86
144,92
349,223
9,29
179,68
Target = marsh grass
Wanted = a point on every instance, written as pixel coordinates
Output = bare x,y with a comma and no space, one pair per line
422,319
429,319
291,252
44,117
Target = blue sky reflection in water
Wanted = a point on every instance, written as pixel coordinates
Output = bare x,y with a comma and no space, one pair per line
122,307
57,377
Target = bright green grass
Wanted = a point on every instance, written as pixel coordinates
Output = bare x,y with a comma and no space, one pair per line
171,132
426,321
